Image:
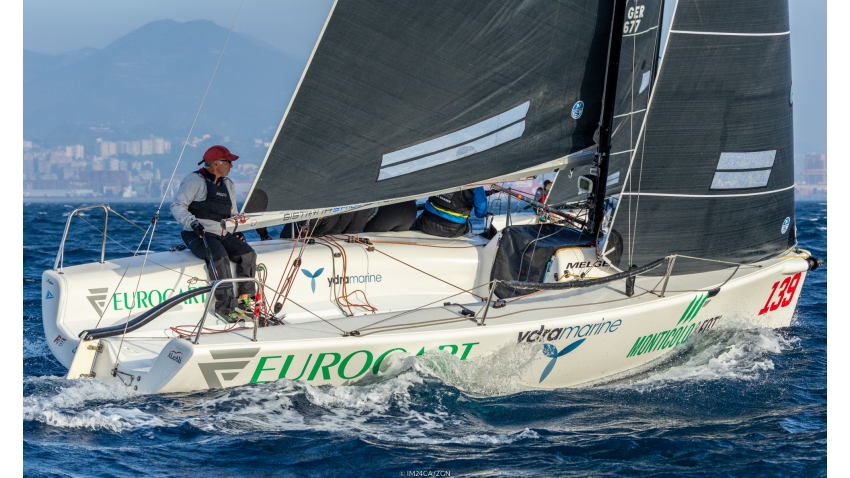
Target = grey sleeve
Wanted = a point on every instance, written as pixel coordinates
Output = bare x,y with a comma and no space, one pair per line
190,190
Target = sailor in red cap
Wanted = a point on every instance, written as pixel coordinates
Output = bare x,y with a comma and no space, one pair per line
204,198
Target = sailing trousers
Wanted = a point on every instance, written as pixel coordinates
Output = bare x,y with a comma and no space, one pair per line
437,226
225,249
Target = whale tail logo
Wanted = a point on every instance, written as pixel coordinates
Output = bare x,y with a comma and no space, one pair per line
313,276
550,350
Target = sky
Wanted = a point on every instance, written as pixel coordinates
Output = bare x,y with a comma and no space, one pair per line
59,26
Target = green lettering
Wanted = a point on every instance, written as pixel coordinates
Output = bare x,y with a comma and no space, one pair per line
260,369
421,351
344,363
637,346
687,334
648,343
143,301
661,338
376,367
454,348
467,349
158,297
674,337
288,362
326,374
125,303
115,301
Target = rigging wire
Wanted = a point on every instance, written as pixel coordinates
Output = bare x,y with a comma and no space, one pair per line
152,227
420,270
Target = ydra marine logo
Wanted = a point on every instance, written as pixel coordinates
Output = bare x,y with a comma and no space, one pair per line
313,276
550,350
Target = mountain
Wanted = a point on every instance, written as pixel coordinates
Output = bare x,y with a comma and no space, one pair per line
152,80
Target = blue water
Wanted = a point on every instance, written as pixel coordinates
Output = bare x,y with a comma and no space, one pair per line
744,403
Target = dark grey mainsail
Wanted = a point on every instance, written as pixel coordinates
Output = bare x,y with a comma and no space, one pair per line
407,97
712,176
638,61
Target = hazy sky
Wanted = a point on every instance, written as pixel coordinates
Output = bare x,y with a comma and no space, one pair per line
58,26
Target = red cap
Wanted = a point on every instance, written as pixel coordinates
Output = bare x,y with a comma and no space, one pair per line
217,153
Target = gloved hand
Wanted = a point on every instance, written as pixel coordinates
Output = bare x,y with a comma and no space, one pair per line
198,228
490,192
240,236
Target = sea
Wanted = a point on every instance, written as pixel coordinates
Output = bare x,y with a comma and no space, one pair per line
736,403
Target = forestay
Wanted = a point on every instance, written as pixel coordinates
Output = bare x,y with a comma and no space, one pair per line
638,61
404,98
712,175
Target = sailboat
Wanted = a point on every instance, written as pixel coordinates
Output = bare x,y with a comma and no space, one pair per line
671,213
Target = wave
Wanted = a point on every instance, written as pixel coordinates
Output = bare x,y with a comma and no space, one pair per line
723,354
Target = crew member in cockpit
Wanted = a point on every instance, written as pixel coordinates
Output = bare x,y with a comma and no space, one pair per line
204,198
447,215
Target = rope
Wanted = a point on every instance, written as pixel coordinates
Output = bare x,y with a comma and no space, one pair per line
584,283
138,281
427,274
425,305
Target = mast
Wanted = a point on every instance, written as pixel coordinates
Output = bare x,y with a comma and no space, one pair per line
657,57
603,155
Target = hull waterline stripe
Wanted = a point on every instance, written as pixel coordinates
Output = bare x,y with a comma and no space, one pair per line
732,34
706,195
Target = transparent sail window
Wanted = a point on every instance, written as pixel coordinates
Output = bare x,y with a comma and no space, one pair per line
754,160
461,136
740,179
481,144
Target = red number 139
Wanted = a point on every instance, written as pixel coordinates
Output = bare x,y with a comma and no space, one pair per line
787,286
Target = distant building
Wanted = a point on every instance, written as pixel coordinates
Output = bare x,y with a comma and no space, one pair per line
79,151
158,146
811,181
147,147
106,148
814,169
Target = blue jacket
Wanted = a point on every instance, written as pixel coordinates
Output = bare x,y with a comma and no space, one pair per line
456,208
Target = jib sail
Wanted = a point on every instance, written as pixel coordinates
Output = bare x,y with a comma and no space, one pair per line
712,174
407,97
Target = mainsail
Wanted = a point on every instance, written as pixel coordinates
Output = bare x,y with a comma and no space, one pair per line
407,97
712,174
638,61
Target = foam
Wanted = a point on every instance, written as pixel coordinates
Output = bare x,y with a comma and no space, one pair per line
65,401
416,400
494,374
725,354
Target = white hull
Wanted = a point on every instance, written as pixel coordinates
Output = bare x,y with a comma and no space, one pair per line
599,332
